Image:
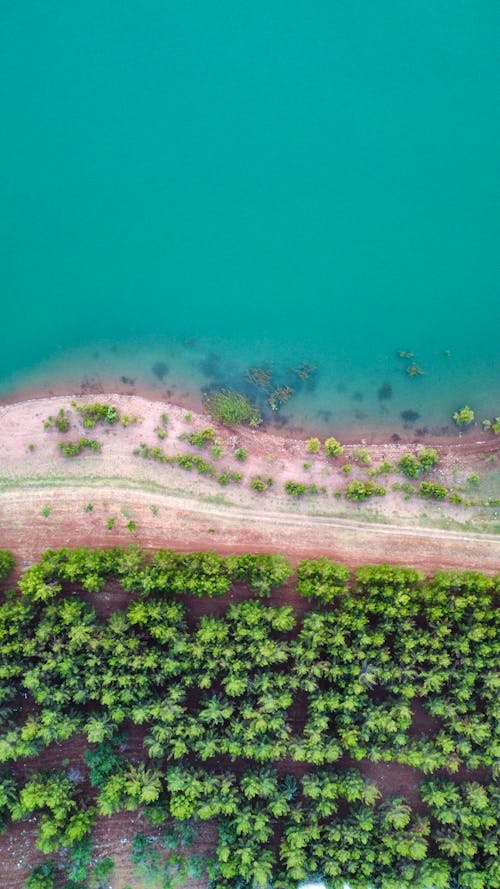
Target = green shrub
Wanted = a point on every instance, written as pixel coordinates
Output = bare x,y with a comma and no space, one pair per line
360,455
321,579
128,420
73,449
261,483
216,451
110,524
298,489
428,458
231,407
241,454
201,438
313,445
347,468
464,417
410,466
228,476
61,421
357,490
7,562
333,448
432,490
46,511
98,412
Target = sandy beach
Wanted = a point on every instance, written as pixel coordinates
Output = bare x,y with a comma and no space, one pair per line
173,508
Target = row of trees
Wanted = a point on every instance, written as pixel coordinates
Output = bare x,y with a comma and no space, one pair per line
239,684
277,832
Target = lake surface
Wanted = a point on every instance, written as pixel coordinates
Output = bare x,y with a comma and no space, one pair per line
214,185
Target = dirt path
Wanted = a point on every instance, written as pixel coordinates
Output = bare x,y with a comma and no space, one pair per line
186,523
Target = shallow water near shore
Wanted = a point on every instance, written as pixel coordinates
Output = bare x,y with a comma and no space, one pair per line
194,190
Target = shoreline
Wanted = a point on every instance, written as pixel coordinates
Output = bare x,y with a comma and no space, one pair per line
178,395
169,507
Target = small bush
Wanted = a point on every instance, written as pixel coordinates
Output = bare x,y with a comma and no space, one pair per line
333,448
260,483
7,562
313,445
228,476
410,466
298,489
464,417
110,524
201,438
347,469
161,432
321,579
432,490
241,454
72,449
128,420
358,490
46,511
61,421
231,407
98,412
360,455
428,458
216,451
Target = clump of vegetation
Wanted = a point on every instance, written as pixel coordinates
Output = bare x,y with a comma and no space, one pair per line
492,425
97,412
299,489
201,438
279,396
313,445
347,468
383,468
185,461
367,649
432,490
73,449
7,562
358,490
322,579
241,454
361,455
413,466
333,448
46,511
232,408
110,524
227,476
464,417
128,420
261,483
61,421
89,507
216,451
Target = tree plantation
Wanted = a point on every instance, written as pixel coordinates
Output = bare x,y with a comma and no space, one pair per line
277,725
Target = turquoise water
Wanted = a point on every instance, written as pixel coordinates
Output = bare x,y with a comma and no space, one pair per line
266,181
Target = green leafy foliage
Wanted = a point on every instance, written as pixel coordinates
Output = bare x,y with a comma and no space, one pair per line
73,449
358,490
7,563
232,408
97,412
231,683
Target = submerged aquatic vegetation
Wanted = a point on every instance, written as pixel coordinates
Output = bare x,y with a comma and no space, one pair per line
279,396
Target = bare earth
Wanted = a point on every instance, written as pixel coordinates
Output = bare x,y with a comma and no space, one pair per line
173,508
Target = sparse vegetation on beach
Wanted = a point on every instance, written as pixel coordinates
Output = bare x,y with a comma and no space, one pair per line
61,421
97,412
74,448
